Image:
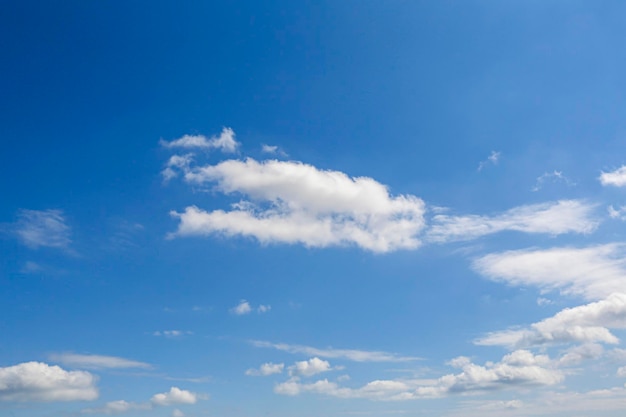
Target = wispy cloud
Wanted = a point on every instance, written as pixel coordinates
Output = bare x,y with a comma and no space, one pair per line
172,333
554,218
594,272
42,228
266,369
492,159
225,142
96,361
555,176
350,354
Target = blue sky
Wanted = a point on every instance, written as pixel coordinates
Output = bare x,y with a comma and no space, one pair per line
313,209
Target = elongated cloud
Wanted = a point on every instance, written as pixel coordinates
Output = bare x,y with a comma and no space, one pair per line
37,381
615,178
565,216
350,354
96,361
42,228
291,202
266,369
519,368
225,142
586,323
593,272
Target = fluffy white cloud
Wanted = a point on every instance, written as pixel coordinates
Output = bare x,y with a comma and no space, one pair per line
309,368
594,272
175,396
266,369
519,368
96,361
616,178
175,165
291,202
225,142
242,308
350,354
37,381
577,354
566,216
42,228
586,323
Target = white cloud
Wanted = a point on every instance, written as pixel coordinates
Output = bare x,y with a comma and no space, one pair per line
586,323
175,165
616,178
263,308
171,333
617,213
309,368
177,413
42,228
269,148
621,371
350,354
594,272
555,176
266,369
565,216
96,361
175,396
117,407
493,159
225,142
291,202
242,308
37,381
519,368
577,354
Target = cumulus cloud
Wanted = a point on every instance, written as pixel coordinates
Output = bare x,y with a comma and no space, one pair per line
519,368
586,323
292,202
96,361
350,354
242,308
577,354
555,218
175,165
266,369
42,228
174,396
492,159
225,142
309,368
615,178
37,381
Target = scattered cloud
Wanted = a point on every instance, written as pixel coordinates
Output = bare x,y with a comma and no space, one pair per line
554,176
621,371
519,368
350,354
263,308
172,333
584,324
174,396
242,308
617,213
565,216
96,361
615,178
577,354
225,142
492,159
292,202
266,369
594,272
311,367
38,381
177,413
43,228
